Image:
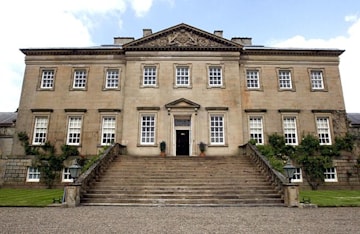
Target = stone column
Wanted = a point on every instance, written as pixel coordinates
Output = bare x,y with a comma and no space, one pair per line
72,195
291,195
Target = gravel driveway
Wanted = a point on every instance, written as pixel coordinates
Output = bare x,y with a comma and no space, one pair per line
179,220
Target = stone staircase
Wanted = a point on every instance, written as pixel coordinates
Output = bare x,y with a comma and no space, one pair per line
182,181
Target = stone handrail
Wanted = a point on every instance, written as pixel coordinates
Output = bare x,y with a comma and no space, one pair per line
98,168
275,177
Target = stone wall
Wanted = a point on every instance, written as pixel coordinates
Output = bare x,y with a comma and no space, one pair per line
15,171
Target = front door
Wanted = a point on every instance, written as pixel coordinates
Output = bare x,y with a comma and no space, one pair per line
182,142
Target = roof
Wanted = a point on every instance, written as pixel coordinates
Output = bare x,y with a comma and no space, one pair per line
354,119
8,118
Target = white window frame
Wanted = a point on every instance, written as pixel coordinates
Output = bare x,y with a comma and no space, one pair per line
149,78
40,130
33,174
252,79
74,127
66,176
297,177
323,130
256,129
285,79
290,130
112,79
330,175
217,129
215,76
108,130
80,76
47,79
182,76
317,79
148,128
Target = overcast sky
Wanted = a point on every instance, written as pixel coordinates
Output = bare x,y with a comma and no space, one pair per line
72,23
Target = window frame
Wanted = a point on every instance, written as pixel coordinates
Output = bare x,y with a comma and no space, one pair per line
37,130
253,128
297,177
152,133
287,79
210,75
247,78
33,174
107,78
73,79
323,80
69,132
319,130
109,130
290,130
176,78
214,134
155,76
330,172
66,176
41,78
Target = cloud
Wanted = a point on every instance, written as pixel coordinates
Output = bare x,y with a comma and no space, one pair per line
348,60
44,23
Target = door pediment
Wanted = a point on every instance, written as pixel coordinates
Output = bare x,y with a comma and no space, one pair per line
182,37
182,103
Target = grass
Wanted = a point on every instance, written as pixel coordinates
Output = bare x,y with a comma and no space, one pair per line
332,198
29,197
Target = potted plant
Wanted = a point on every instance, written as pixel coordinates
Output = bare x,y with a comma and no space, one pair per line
202,147
162,148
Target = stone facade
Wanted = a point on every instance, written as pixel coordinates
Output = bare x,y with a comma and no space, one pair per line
181,85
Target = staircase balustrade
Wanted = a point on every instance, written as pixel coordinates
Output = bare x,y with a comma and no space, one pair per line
275,177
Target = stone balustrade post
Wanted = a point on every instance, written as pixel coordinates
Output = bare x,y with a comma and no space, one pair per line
72,195
291,195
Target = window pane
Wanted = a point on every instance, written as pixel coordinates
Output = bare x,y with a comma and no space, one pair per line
285,80
217,129
182,76
149,76
79,79
108,130
252,79
40,130
317,80
74,131
256,129
215,76
47,79
147,129
290,132
323,130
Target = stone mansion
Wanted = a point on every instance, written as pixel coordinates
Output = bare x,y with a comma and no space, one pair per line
181,85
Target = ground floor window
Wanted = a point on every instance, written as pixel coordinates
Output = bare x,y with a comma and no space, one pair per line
147,129
33,174
217,135
297,175
108,130
66,175
256,129
330,174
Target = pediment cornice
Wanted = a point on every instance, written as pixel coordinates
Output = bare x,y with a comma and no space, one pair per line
182,103
182,37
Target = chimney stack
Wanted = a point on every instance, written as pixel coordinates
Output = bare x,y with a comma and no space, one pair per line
218,33
147,32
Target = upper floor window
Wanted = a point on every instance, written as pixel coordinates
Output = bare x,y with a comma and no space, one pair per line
217,129
285,79
147,129
215,76
252,79
323,129
74,130
40,130
33,174
290,131
317,81
108,130
112,79
182,77
149,76
47,79
256,129
80,79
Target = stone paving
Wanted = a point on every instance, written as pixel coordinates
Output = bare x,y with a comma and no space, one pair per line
114,219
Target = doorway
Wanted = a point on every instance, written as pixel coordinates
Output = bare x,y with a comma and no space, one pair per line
182,142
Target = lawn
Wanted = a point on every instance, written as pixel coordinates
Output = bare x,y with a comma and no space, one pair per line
29,197
332,198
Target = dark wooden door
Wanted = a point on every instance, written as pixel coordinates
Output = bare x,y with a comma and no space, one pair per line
182,142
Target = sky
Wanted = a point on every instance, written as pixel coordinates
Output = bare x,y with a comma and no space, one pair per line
81,23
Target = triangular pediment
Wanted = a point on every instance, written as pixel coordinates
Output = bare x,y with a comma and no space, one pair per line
182,37
182,103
